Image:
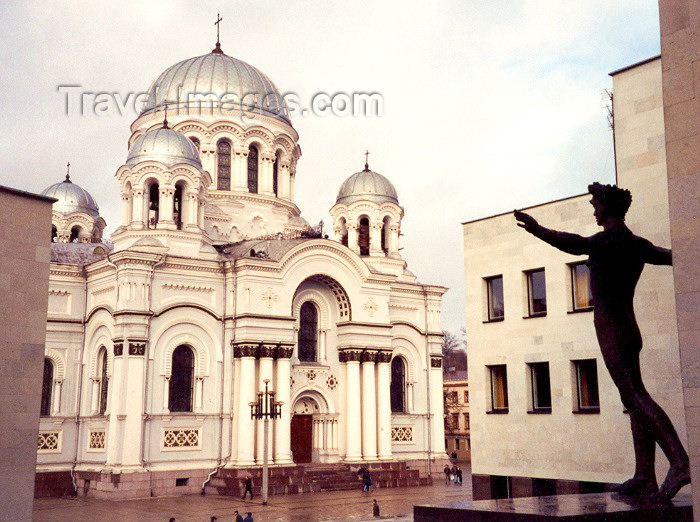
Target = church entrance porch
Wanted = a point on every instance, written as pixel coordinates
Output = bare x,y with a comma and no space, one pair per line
314,431
302,426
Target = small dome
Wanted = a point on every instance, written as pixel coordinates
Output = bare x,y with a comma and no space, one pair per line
367,185
215,75
164,145
72,198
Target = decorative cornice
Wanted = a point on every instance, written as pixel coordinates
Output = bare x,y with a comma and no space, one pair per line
384,356
284,351
369,356
350,354
187,287
267,350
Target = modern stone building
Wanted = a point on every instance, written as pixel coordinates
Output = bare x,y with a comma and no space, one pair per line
25,219
214,284
546,417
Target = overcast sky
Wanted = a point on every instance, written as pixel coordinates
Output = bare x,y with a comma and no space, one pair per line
488,105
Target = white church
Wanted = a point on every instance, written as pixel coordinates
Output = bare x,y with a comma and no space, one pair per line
158,341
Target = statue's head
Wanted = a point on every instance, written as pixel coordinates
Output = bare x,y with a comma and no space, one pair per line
609,201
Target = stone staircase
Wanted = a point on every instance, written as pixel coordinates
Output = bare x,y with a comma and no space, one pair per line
314,478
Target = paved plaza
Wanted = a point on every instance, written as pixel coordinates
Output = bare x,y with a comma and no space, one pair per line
395,503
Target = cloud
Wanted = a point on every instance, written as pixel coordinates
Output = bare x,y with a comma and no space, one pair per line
489,105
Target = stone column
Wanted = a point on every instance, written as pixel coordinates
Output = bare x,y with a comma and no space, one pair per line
322,346
265,179
133,393
375,239
394,241
235,407
126,209
292,176
437,405
352,238
138,220
56,397
165,202
267,352
200,212
384,404
284,181
191,217
166,393
343,394
283,451
95,398
353,439
369,406
239,168
117,403
246,427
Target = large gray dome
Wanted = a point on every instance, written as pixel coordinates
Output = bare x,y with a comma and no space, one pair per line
164,145
217,74
367,185
72,198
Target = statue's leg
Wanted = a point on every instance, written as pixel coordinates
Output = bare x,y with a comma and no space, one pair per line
650,423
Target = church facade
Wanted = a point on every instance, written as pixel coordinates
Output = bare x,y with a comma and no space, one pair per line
213,287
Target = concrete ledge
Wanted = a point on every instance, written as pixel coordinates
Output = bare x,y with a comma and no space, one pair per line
593,507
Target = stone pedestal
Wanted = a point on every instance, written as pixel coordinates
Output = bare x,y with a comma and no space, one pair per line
592,507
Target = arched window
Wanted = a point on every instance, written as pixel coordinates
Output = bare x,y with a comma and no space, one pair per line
253,169
177,207
46,388
195,141
104,383
181,379
275,170
308,332
223,160
343,233
75,234
363,236
54,234
398,385
153,205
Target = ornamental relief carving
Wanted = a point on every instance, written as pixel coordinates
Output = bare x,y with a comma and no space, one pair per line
118,347
436,362
384,356
371,307
137,348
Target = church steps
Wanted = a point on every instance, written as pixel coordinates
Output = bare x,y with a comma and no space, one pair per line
314,478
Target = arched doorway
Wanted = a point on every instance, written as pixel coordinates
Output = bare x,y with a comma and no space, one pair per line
314,430
302,429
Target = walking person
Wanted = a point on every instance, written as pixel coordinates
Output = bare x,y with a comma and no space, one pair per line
375,508
248,487
367,481
237,517
446,471
248,517
459,475
454,474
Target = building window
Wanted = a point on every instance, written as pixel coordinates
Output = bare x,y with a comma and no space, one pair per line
455,421
275,170
253,169
177,207
581,287
46,388
500,487
153,205
466,421
499,388
466,397
397,390
104,383
457,444
541,394
195,141
536,293
587,386
181,379
74,234
308,332
363,236
223,162
494,294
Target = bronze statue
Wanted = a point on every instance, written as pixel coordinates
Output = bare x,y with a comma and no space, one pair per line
616,260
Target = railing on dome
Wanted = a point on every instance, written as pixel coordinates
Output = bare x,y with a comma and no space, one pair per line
312,232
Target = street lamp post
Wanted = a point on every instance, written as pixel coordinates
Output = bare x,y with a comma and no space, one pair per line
266,408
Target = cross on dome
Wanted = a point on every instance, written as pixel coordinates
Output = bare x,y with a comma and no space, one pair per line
67,180
217,49
367,161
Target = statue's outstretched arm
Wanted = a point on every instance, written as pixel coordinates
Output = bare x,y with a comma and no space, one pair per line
655,255
564,241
